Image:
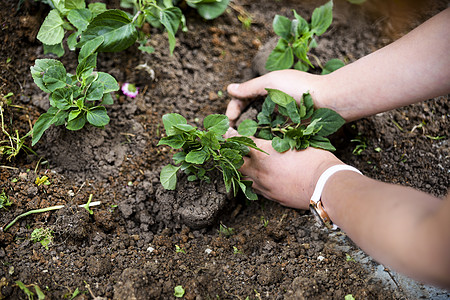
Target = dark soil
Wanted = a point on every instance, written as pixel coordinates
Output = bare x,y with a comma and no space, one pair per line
127,249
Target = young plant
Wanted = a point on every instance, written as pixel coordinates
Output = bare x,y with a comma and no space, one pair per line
74,99
4,200
43,236
297,37
204,151
30,294
293,125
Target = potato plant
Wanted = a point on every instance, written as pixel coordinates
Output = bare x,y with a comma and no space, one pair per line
205,150
292,125
297,37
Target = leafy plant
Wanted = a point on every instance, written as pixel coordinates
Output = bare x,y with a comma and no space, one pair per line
179,249
293,125
4,200
42,180
209,9
74,99
204,151
29,293
43,236
225,230
297,37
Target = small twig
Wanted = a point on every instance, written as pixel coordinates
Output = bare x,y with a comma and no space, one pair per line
41,210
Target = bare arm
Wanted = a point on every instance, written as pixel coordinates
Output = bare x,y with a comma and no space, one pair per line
403,228
413,68
416,67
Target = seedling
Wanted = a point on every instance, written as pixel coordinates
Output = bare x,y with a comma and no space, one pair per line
264,221
43,236
74,99
361,145
296,125
4,200
42,180
178,249
179,291
236,250
226,231
204,151
349,258
30,294
87,205
297,37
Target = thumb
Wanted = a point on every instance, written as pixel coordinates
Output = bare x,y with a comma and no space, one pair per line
249,89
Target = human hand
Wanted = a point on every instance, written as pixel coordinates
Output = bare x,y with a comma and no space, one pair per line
289,177
292,82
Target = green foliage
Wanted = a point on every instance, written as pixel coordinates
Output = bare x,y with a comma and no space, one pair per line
293,125
4,200
225,230
297,37
43,236
204,151
209,9
74,99
29,293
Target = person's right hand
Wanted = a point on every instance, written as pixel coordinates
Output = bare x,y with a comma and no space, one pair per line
292,82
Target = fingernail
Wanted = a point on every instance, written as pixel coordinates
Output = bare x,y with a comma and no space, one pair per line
233,87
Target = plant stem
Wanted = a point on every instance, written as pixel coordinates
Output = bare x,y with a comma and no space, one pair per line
41,210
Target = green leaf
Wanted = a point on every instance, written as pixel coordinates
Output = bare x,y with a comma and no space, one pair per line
321,142
209,9
174,141
168,177
95,91
39,293
321,18
61,98
97,8
300,48
268,106
232,156
301,26
148,49
116,28
97,116
301,66
309,104
293,112
179,157
89,48
42,124
80,18
210,140
72,41
55,77
247,128
183,128
246,187
265,134
109,82
332,65
169,120
197,156
216,123
282,57
77,122
170,18
86,66
313,127
60,6
57,49
282,27
73,114
280,145
329,119
51,31
245,141
107,99
74,4
279,97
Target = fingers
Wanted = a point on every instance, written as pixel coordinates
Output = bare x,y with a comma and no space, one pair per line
234,110
249,89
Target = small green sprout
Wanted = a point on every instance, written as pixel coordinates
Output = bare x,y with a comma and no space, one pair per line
86,206
29,293
264,221
349,297
14,180
361,145
236,250
179,249
377,149
349,258
4,200
42,180
226,231
43,236
179,291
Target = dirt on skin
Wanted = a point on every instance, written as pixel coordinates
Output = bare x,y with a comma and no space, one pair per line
142,241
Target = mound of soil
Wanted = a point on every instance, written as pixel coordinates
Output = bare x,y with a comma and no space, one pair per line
142,241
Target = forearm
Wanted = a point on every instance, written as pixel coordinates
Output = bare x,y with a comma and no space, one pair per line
414,68
400,227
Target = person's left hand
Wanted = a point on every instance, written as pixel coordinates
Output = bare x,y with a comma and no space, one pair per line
289,177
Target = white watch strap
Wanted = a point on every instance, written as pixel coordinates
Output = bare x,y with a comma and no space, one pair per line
327,174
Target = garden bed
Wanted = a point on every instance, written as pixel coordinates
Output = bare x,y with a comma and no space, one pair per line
143,241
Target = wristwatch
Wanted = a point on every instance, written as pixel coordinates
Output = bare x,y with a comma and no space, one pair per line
315,204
